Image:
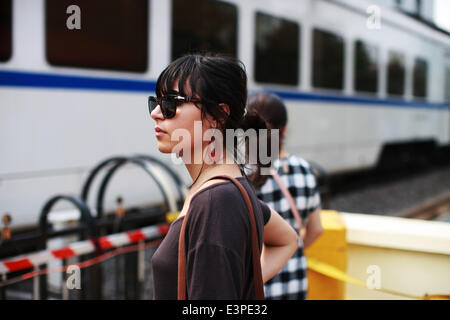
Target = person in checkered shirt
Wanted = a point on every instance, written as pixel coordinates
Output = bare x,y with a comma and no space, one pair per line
291,282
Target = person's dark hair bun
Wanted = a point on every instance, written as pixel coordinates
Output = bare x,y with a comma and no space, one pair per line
253,120
270,107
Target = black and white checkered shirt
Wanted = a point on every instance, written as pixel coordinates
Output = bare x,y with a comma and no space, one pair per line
291,282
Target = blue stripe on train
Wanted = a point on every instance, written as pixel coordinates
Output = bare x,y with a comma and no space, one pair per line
359,100
42,80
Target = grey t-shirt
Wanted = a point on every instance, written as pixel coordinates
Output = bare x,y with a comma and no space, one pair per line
218,246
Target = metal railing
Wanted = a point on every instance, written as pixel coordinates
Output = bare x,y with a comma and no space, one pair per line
115,266
112,252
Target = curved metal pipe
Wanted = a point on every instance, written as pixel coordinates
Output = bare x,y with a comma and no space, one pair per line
108,176
180,184
86,215
87,184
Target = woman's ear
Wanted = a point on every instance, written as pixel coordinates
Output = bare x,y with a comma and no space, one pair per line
283,132
211,122
219,123
225,108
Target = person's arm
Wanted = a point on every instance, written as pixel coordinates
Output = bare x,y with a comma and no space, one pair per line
313,229
280,241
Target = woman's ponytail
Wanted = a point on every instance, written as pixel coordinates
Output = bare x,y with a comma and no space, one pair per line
252,120
266,111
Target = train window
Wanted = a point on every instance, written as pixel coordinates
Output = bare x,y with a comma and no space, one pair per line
420,78
100,34
328,62
366,67
396,74
203,25
276,50
5,30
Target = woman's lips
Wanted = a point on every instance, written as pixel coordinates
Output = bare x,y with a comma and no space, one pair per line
159,132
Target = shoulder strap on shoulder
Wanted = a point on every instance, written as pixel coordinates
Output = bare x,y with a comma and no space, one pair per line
257,273
288,197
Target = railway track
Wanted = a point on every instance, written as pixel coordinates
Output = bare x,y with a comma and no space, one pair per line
431,209
419,194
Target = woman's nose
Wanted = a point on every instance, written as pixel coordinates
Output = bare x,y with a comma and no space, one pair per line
156,113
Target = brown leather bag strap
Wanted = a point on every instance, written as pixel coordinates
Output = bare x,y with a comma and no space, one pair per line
257,272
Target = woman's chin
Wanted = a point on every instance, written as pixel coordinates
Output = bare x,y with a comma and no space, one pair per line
163,148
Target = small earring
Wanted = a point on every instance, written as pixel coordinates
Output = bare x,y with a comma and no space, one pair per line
213,154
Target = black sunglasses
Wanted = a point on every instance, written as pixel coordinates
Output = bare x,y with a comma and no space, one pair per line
168,104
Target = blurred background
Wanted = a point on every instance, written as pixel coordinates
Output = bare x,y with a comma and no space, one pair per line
367,85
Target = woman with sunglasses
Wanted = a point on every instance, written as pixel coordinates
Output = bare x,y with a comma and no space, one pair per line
210,92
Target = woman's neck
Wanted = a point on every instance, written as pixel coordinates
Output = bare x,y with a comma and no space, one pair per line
203,171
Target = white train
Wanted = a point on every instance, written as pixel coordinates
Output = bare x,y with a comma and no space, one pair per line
74,82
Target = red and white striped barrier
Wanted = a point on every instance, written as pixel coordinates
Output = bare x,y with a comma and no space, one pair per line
82,247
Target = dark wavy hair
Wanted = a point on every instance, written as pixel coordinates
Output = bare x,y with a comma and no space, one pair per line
214,79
